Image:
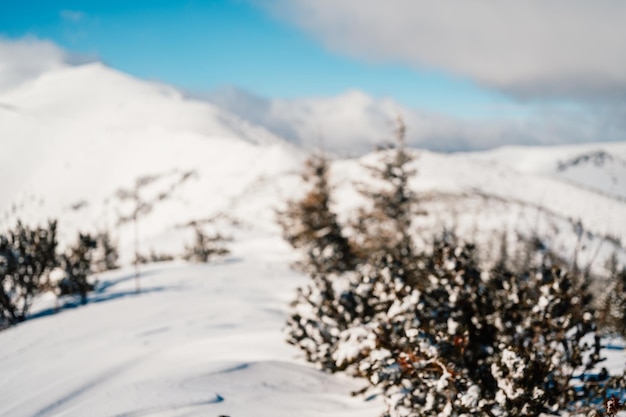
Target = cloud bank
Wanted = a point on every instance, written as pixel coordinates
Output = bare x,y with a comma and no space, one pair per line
25,59
355,123
530,48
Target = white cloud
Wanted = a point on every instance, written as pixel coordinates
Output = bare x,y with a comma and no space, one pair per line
24,59
72,15
531,48
354,123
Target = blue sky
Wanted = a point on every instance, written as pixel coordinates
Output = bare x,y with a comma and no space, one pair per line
203,45
464,75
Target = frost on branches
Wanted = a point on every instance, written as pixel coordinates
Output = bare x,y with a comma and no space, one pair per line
430,328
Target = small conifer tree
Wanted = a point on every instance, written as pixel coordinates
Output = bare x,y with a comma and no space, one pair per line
383,232
106,255
310,224
77,263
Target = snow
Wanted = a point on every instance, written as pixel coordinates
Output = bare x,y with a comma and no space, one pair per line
199,340
79,134
76,135
600,167
354,342
207,340
471,397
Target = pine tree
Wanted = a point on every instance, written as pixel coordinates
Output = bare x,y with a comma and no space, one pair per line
309,224
387,260
383,232
346,275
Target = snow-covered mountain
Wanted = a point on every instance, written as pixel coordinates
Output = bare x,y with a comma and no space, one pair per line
75,136
205,340
522,190
598,167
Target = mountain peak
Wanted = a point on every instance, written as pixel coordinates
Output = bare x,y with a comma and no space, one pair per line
98,97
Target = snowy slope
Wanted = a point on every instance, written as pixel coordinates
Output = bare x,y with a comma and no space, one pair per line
206,340
199,341
482,195
599,167
73,137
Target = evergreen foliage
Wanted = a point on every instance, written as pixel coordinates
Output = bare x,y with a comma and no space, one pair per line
310,225
26,256
393,204
613,302
382,232
106,255
431,328
77,263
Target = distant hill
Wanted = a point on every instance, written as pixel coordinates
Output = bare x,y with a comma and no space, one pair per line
75,136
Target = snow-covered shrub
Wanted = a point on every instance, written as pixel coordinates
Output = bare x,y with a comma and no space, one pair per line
326,312
432,329
612,321
467,342
542,339
26,256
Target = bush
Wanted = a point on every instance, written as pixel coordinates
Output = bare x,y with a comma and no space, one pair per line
106,256
205,247
430,328
153,257
468,341
77,263
26,256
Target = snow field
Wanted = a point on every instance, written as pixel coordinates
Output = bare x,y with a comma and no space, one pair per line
207,340
199,340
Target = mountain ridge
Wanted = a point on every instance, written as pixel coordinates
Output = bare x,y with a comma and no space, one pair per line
74,136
